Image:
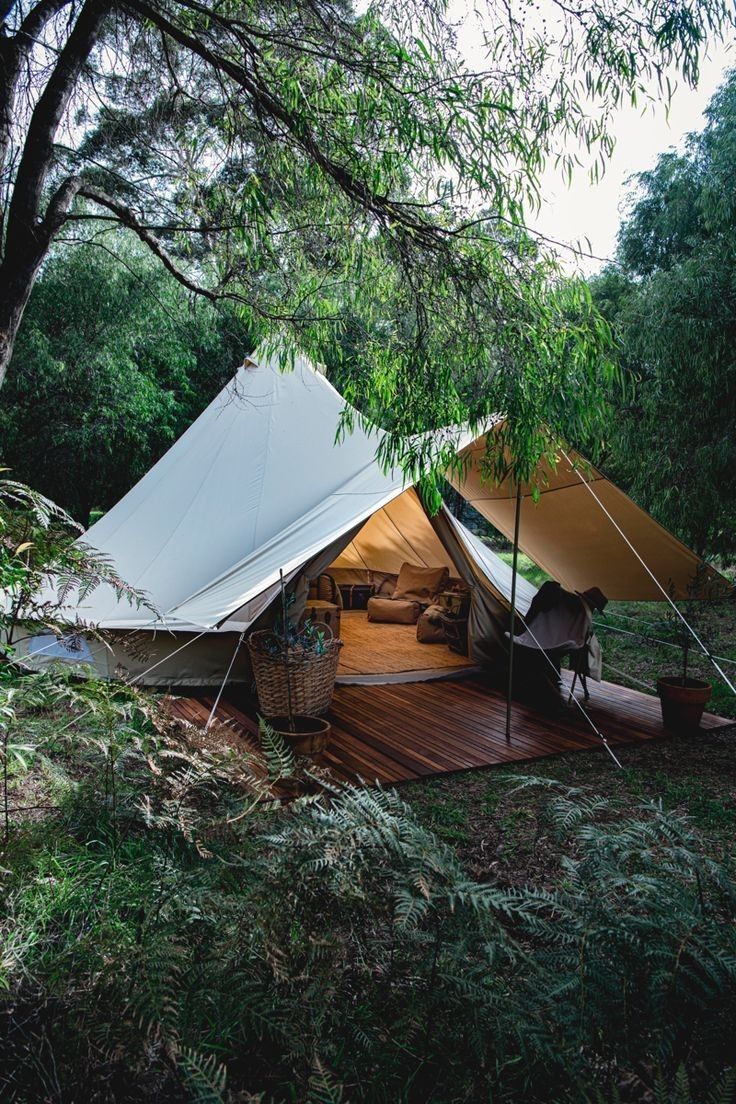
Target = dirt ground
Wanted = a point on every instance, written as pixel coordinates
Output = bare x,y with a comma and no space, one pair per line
500,833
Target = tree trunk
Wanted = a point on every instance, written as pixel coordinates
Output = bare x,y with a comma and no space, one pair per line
17,287
28,231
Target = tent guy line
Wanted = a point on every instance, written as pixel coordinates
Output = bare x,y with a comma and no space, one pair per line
216,702
128,682
519,498
582,709
629,678
651,574
654,640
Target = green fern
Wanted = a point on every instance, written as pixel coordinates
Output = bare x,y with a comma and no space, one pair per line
203,1076
323,1087
278,756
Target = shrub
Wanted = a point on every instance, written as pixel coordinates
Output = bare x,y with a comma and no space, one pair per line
171,946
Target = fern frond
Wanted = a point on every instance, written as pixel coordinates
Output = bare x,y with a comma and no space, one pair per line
323,1087
279,757
204,1076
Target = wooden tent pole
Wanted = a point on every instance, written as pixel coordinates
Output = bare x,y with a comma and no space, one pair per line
512,622
287,672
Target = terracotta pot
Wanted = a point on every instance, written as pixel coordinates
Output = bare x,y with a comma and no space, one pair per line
310,734
682,706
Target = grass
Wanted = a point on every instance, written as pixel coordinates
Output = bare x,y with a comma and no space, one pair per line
499,833
527,568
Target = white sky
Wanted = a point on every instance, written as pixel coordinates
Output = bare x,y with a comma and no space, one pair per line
593,211
570,214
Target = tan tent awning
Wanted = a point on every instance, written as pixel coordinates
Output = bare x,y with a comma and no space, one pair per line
568,532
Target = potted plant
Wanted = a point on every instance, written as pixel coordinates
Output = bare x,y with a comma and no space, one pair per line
294,669
681,697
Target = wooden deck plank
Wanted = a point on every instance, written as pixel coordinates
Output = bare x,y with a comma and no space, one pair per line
403,731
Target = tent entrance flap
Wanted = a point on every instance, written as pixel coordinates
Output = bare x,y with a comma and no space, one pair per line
402,531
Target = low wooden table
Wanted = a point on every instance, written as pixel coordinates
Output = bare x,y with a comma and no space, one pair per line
456,632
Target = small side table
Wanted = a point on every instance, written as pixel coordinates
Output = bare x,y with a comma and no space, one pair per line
327,612
455,603
456,631
355,595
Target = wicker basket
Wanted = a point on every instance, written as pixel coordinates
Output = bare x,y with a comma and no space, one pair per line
311,677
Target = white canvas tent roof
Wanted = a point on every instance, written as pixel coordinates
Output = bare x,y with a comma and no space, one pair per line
259,484
256,485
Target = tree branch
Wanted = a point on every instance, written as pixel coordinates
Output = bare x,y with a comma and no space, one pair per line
36,20
58,213
37,156
128,218
390,213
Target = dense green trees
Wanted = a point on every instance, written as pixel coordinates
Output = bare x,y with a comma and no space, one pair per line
672,301
113,362
312,162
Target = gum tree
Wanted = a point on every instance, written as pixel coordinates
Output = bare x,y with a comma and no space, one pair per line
672,303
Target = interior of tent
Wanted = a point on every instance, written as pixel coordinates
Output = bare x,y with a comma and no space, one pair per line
385,640
577,526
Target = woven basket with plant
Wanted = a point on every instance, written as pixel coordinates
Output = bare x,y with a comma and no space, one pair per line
296,675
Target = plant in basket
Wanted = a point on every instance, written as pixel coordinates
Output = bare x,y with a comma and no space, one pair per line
312,636
295,669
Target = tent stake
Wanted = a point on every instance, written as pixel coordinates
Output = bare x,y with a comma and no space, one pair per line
512,623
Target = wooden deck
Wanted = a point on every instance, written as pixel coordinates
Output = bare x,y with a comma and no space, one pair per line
414,730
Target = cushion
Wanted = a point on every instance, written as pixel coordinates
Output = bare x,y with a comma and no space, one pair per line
395,611
420,584
431,626
385,584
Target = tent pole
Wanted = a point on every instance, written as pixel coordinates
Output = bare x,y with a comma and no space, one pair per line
512,622
287,672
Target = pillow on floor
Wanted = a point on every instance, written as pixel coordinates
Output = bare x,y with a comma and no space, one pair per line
393,611
420,584
431,626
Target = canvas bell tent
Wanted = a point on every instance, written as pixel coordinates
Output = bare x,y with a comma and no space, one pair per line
262,484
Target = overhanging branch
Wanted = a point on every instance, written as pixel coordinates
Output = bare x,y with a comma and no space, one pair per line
391,214
37,157
129,219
